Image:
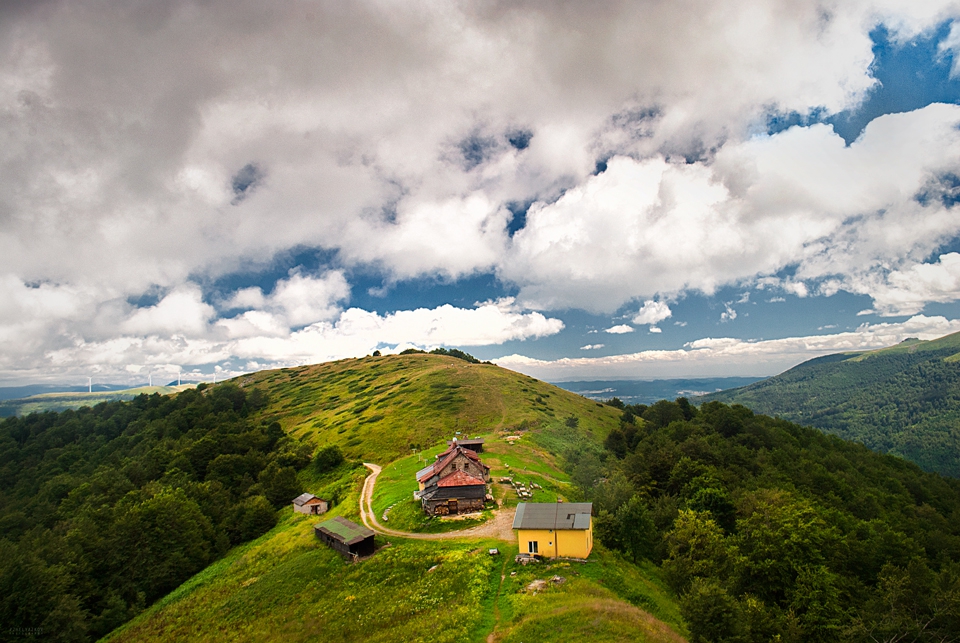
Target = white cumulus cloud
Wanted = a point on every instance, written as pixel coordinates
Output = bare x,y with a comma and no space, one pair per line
177,333
652,312
723,357
148,149
798,198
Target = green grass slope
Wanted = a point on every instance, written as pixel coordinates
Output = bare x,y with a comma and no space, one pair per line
287,586
903,400
377,408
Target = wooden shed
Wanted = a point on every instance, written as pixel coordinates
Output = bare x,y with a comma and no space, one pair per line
307,503
348,538
474,444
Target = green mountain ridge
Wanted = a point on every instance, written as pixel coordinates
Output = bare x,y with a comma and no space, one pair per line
286,586
167,518
763,530
903,400
104,510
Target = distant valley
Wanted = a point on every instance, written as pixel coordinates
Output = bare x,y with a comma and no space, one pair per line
649,391
22,400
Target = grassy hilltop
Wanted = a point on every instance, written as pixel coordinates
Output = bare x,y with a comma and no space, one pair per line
377,408
286,586
903,400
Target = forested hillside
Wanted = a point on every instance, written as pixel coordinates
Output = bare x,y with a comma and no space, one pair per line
903,400
106,509
770,531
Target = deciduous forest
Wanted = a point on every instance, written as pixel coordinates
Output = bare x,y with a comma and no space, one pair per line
903,400
106,509
770,531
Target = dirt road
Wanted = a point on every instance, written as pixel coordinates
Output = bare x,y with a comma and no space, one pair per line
501,526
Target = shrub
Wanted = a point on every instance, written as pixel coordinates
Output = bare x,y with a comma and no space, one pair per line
328,458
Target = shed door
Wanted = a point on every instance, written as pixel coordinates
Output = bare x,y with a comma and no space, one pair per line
454,506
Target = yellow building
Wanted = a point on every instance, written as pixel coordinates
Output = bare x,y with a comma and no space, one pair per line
555,529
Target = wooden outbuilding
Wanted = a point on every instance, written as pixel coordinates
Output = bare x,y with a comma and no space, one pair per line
474,444
307,503
348,538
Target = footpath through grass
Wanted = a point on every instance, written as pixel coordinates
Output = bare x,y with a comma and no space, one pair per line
286,586
522,460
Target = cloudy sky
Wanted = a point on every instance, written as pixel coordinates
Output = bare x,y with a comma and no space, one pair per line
573,190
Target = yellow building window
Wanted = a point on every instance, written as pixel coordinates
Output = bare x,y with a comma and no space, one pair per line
533,547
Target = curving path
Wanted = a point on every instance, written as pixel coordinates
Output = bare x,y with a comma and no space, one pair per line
501,526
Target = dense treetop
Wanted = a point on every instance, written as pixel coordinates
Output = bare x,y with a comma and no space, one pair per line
106,509
767,529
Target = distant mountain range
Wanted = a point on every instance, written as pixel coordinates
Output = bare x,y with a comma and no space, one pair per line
650,391
21,400
903,400
17,392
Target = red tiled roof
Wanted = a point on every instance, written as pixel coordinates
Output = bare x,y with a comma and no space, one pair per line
459,479
450,454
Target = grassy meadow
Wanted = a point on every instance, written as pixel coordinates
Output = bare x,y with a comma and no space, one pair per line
376,409
287,586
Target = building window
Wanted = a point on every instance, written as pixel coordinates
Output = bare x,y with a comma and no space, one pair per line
533,547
